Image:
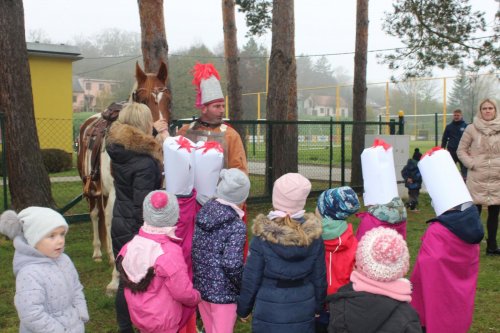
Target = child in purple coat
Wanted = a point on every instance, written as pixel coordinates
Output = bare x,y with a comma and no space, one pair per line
218,242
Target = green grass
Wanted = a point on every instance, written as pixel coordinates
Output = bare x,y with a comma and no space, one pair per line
95,276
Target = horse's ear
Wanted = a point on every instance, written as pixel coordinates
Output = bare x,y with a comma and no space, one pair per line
162,73
139,74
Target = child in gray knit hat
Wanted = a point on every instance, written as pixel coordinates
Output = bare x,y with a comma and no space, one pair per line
158,289
218,243
49,296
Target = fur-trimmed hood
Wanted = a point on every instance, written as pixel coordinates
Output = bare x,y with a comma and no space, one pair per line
279,233
133,139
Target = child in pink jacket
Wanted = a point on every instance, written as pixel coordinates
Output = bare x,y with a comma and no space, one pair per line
153,270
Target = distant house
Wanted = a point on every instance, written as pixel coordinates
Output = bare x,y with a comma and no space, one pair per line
324,106
86,92
51,71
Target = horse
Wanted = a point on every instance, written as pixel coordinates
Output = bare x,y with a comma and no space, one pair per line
94,164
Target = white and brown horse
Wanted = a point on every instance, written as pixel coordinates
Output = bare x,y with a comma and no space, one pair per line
94,163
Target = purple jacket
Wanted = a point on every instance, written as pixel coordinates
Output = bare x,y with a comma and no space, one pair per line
160,307
218,242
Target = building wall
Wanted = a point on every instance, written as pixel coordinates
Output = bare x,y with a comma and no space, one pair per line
51,83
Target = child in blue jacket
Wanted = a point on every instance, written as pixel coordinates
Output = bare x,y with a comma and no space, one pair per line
284,280
413,180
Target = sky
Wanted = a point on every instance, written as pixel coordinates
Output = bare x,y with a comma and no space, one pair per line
321,26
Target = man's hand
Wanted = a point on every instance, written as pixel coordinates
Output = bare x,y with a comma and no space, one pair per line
245,320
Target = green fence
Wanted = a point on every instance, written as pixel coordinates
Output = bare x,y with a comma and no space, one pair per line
324,155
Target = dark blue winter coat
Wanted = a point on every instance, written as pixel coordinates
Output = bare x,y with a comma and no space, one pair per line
218,241
452,135
411,170
284,280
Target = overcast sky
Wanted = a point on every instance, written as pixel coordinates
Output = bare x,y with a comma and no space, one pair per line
321,26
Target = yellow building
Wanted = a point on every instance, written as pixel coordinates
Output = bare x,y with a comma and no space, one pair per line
51,82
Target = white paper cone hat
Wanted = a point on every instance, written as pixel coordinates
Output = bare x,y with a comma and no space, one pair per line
178,160
209,160
379,174
443,181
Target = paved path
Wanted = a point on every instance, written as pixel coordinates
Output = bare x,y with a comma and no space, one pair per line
319,172
315,172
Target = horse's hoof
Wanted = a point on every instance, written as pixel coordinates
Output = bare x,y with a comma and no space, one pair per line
111,289
97,259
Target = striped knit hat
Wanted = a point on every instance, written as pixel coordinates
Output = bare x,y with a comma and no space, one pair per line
160,209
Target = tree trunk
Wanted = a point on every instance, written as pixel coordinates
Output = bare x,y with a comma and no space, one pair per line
282,94
153,37
359,92
29,182
232,62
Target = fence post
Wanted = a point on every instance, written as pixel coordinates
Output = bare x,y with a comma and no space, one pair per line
435,129
379,124
4,161
269,150
331,153
392,127
342,154
253,135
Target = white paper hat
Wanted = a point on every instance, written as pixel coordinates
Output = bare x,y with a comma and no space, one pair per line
379,174
178,160
443,181
209,160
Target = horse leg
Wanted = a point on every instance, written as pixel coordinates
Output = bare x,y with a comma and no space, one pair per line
112,287
94,218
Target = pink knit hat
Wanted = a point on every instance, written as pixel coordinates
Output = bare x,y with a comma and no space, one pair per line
382,255
290,192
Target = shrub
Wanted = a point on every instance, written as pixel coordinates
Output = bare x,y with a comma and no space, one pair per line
56,160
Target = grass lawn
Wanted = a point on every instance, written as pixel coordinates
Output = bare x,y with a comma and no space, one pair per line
95,276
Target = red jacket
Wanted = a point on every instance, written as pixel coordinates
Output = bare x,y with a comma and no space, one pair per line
339,259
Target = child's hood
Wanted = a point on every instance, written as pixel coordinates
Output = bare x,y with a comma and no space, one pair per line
27,255
214,215
285,241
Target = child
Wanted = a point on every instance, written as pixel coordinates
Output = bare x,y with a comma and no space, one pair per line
218,243
334,207
413,180
377,299
284,280
445,274
49,296
384,206
153,270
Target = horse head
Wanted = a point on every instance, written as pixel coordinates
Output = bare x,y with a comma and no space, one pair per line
152,91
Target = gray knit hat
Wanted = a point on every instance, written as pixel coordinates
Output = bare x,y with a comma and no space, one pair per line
38,222
160,209
233,186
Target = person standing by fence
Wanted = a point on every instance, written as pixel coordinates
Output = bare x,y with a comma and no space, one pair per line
451,138
479,149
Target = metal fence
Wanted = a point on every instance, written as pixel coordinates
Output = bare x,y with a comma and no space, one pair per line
324,155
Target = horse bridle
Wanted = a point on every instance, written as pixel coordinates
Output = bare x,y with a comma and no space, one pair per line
156,93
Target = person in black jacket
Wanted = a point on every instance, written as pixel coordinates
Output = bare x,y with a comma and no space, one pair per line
136,166
377,298
451,138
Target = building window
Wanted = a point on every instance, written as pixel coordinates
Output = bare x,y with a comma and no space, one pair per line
101,86
74,99
88,85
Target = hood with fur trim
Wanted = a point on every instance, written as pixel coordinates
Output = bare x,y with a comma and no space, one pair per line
133,139
279,233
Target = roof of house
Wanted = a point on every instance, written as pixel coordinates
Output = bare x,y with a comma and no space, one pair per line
53,50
